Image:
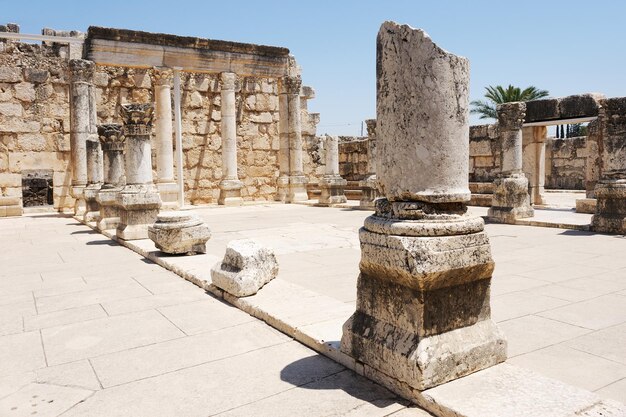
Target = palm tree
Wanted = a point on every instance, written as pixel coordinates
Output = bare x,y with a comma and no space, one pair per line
497,95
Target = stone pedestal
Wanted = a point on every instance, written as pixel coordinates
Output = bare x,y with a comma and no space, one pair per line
511,200
369,190
332,185
94,180
139,200
230,186
534,161
112,141
168,189
92,206
423,314
179,233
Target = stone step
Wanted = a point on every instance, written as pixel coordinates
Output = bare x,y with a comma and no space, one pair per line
481,200
481,187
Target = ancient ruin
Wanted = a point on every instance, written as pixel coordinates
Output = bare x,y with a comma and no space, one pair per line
112,140
179,233
332,185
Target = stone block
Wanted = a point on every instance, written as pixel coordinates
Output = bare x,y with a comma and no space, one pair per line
35,75
10,74
179,233
10,201
586,205
543,109
10,180
25,92
483,161
245,269
10,109
583,105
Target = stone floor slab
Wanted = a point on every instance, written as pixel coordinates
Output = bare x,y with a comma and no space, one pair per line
205,315
597,313
21,352
42,400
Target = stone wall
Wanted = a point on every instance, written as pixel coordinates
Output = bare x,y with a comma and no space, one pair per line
565,163
484,153
353,157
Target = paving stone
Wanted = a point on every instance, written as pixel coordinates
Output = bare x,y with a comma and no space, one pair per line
63,317
518,304
21,352
596,313
78,374
615,391
201,316
609,343
154,301
41,400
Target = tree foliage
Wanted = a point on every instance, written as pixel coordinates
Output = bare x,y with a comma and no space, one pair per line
497,94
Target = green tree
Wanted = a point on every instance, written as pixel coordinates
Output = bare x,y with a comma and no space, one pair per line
497,95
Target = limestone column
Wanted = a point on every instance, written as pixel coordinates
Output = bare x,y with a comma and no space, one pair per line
139,201
610,190
230,186
332,185
282,186
290,88
112,141
163,135
423,314
510,200
368,185
94,179
534,161
82,111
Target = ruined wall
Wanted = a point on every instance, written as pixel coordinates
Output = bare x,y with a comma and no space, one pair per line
484,153
565,163
34,117
353,157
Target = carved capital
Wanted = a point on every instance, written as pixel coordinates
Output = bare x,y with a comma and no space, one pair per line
228,81
137,119
161,76
511,115
291,85
81,70
111,137
371,127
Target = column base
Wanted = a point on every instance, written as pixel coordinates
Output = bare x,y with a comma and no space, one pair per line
138,207
332,190
510,199
109,211
230,193
423,313
297,189
610,216
369,193
282,188
92,207
179,233
76,191
169,195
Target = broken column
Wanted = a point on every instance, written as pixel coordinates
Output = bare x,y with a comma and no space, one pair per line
139,200
332,185
510,200
610,190
168,189
179,232
534,161
94,179
368,184
423,312
230,186
82,117
112,141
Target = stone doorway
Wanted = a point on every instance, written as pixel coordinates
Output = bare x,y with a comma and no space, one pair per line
37,188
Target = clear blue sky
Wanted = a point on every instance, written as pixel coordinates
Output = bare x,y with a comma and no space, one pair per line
566,47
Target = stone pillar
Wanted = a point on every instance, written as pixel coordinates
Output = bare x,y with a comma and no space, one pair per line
112,141
368,185
139,200
610,190
331,184
282,183
230,186
82,115
168,190
534,161
94,180
423,314
511,200
290,107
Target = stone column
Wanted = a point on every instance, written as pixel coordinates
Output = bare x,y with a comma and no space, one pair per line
230,186
94,180
112,141
331,184
534,161
139,200
368,185
82,112
510,200
290,89
282,185
423,314
168,189
610,190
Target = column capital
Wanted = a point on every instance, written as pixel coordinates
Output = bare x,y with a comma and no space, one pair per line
228,81
111,137
511,115
291,84
370,124
161,76
81,70
137,118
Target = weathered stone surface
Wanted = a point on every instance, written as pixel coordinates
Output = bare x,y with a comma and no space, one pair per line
586,205
179,232
332,185
569,107
510,199
422,109
245,269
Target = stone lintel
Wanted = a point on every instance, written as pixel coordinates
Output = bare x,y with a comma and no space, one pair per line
570,107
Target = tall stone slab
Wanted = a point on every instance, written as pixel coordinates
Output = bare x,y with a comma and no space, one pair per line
510,200
230,186
332,185
369,188
610,190
139,200
82,126
112,140
423,312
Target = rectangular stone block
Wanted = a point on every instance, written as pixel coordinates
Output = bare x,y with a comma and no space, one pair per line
480,147
10,74
483,161
10,180
10,109
10,201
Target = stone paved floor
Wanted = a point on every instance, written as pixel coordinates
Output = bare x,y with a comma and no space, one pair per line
89,328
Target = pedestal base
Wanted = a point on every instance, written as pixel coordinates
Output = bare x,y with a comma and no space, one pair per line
369,192
332,190
109,211
169,195
297,189
138,207
92,207
76,191
282,189
610,216
510,199
230,193
179,233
